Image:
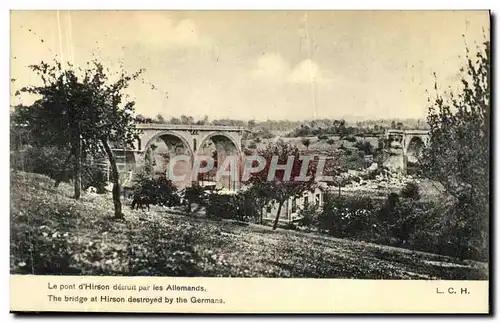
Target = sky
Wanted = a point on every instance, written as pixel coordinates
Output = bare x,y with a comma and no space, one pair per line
259,65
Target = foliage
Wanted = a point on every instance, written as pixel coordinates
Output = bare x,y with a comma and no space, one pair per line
278,187
364,146
158,190
351,139
459,150
244,206
194,194
54,162
49,160
149,162
81,110
79,239
347,217
306,142
309,216
252,145
411,190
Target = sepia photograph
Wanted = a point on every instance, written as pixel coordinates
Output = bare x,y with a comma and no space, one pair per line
250,144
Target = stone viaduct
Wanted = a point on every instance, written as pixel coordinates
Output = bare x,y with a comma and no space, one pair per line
189,140
410,141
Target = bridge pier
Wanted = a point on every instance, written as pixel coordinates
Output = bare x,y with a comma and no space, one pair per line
407,137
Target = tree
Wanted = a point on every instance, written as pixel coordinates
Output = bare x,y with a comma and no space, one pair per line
83,110
278,188
175,121
160,118
204,121
411,190
459,149
194,194
187,120
158,189
306,142
364,146
252,145
149,162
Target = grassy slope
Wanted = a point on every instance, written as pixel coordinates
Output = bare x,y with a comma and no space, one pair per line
172,244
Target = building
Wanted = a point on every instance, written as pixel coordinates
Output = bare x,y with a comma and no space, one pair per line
290,210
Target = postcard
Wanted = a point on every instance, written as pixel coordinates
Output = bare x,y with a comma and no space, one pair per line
247,162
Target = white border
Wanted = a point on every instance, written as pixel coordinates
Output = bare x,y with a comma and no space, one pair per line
191,4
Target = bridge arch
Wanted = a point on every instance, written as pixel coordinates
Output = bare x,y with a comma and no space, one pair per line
167,133
415,144
221,140
222,134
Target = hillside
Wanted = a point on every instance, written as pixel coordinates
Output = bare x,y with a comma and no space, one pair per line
54,234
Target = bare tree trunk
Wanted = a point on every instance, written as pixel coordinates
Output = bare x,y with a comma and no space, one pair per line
62,173
116,184
275,225
77,167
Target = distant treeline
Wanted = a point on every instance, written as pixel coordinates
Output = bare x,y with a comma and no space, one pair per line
304,128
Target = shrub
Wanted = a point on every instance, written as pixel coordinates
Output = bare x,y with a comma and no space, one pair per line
309,216
347,216
157,251
159,190
411,190
351,138
50,161
242,207
95,177
364,146
40,241
306,142
223,206
195,194
252,145
405,215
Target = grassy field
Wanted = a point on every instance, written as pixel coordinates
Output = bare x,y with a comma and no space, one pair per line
54,234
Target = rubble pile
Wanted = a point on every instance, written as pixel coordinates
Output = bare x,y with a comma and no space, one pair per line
375,177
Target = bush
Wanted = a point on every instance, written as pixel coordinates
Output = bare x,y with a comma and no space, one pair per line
309,216
364,146
241,207
195,194
159,190
347,217
50,161
411,190
39,239
405,215
149,255
223,206
95,177
252,145
306,142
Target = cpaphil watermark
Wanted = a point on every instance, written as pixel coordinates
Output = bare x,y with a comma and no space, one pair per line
184,168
